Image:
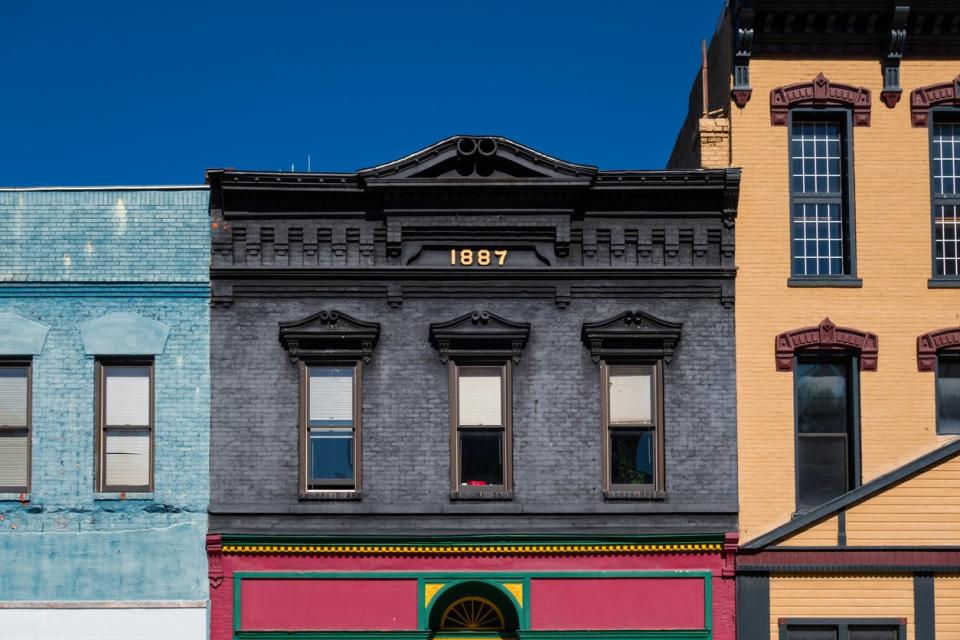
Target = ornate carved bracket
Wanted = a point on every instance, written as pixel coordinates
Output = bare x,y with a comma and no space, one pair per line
743,49
214,560
729,554
479,334
820,92
731,197
827,337
932,343
890,95
631,334
946,94
329,335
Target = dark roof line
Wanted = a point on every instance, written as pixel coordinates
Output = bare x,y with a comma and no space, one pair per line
875,486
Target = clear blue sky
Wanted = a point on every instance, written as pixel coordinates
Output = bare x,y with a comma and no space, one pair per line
136,92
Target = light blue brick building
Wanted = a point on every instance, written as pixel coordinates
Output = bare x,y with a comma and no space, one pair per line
104,412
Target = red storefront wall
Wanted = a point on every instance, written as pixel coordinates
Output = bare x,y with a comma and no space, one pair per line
282,589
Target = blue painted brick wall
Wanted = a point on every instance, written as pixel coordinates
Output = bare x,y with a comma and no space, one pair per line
67,542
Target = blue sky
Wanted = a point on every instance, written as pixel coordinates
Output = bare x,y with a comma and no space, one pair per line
97,93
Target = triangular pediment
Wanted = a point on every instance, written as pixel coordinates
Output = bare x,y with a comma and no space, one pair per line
479,334
329,335
631,334
478,158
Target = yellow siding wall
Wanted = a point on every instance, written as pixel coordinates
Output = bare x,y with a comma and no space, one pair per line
841,597
822,534
947,601
893,241
924,510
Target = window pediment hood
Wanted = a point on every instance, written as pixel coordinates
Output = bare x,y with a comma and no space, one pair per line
329,335
479,334
481,160
631,334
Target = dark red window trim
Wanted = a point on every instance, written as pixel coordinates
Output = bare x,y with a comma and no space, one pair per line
943,94
933,342
827,336
820,92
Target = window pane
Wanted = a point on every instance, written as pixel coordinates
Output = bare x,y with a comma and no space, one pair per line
811,633
481,458
631,395
127,457
946,158
480,395
822,397
948,395
128,396
631,456
331,455
872,633
13,396
331,396
13,458
821,469
946,225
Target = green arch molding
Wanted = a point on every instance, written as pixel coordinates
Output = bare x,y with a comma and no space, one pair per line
123,334
21,336
513,611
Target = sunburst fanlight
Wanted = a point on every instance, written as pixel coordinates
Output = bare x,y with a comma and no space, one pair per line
472,613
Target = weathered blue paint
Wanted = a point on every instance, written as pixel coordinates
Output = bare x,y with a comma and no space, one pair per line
140,289
124,334
21,336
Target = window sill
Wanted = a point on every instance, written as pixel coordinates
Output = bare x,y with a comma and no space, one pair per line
943,283
124,495
480,495
843,282
331,496
13,496
650,494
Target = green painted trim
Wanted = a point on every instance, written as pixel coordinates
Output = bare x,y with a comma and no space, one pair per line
681,634
332,635
488,577
495,582
439,576
668,634
468,539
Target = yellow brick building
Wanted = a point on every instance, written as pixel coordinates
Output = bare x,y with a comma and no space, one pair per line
845,118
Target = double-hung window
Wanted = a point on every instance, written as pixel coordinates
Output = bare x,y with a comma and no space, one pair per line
481,427
632,427
822,231
330,431
15,426
125,419
948,393
945,169
827,453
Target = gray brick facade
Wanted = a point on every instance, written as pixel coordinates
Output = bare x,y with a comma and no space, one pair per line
283,254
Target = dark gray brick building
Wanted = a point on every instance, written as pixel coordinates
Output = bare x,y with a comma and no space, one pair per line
475,358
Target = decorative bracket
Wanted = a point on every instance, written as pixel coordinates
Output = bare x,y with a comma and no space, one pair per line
827,337
890,95
633,335
329,335
945,94
479,334
214,560
932,343
729,554
743,49
820,92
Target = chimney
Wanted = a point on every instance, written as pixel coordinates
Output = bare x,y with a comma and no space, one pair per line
714,141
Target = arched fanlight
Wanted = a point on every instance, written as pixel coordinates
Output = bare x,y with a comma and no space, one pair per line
472,613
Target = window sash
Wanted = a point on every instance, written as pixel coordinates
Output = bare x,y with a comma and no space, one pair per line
330,411
14,396
612,462
631,389
947,423
491,384
125,434
844,629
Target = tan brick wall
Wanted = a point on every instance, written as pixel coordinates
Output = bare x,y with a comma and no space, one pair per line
891,169
714,143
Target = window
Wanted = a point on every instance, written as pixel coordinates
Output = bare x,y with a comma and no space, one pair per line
827,454
945,162
822,233
948,393
867,629
480,401
125,420
330,432
632,427
15,421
